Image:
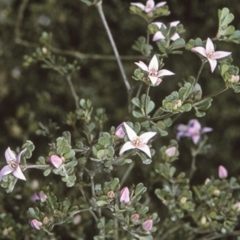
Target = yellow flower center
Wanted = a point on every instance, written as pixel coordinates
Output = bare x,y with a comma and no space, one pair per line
137,142
210,54
12,164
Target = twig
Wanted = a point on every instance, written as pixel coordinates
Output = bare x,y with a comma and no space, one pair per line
131,166
101,13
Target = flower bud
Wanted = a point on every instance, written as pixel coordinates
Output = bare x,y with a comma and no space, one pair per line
183,199
222,172
147,225
171,151
111,194
120,133
56,161
125,195
135,217
207,181
36,224
46,220
237,206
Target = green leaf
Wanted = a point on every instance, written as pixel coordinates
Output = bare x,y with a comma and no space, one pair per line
137,114
228,19
179,43
136,102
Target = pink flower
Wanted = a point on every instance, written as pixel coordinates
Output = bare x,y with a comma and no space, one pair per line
120,133
56,161
150,6
193,130
152,70
139,142
222,172
36,224
158,35
13,162
171,151
210,53
147,225
125,195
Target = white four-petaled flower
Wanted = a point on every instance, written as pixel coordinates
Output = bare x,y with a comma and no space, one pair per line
150,6
152,70
210,53
158,35
13,162
139,142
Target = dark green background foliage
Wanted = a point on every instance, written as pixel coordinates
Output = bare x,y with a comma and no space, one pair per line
30,95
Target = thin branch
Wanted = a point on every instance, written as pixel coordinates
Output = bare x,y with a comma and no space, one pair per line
101,13
125,176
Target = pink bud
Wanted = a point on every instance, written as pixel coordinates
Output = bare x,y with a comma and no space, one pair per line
135,217
36,224
120,133
125,195
111,194
147,225
222,172
171,151
56,161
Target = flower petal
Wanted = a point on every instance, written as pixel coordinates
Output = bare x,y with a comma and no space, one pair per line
200,50
142,65
194,124
126,146
153,63
153,79
213,64
174,24
130,132
160,4
209,45
10,155
5,171
206,129
18,173
147,136
165,72
175,37
20,154
125,195
145,148
196,138
140,5
221,54
158,35
159,24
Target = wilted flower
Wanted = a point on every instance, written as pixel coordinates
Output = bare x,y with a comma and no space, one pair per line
158,35
139,142
193,130
234,79
147,225
56,161
13,162
120,133
210,53
125,195
41,196
36,224
152,70
150,6
171,151
222,172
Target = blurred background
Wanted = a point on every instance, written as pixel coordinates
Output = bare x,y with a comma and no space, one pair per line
32,95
